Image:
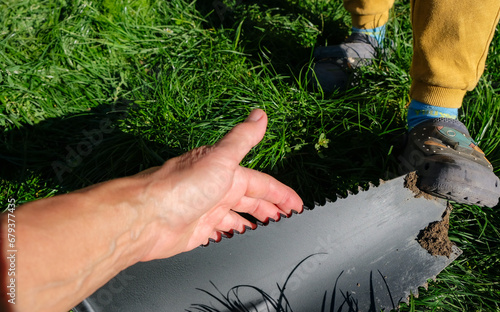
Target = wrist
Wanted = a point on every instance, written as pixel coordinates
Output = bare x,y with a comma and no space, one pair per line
132,218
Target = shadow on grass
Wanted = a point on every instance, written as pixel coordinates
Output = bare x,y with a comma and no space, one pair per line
82,149
79,149
337,172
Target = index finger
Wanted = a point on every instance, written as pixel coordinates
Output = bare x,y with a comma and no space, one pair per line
263,186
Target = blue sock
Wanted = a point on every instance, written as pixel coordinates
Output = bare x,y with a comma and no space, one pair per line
419,112
378,33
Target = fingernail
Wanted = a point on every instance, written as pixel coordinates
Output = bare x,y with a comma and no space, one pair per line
255,115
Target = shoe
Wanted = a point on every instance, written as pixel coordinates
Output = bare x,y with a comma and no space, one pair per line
449,163
335,66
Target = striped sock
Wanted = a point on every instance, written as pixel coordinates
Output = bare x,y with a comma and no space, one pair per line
419,112
378,33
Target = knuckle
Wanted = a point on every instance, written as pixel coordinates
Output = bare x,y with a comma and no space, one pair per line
194,156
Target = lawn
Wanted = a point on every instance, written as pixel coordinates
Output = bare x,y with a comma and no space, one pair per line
93,90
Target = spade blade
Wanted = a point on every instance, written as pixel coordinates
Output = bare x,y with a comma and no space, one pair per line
359,253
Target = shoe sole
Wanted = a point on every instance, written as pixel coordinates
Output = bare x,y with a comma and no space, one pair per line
460,181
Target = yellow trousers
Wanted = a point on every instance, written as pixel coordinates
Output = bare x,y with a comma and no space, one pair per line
450,43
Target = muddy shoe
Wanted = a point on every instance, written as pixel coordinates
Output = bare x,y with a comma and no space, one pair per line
449,163
334,66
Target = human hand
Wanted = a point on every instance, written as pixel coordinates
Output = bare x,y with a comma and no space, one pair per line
196,196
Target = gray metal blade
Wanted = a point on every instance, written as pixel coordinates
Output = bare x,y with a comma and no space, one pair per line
356,254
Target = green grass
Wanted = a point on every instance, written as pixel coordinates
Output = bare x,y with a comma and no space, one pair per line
93,90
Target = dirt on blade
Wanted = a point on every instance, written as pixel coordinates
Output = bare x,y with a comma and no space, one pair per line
411,180
434,238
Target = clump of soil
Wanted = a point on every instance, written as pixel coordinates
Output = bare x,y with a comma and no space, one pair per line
411,180
434,238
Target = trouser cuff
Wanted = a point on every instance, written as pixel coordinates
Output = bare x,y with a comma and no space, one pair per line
369,21
437,96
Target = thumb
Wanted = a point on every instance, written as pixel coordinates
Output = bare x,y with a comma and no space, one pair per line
238,142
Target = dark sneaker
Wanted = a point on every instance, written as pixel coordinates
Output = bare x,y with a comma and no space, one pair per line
449,163
334,66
